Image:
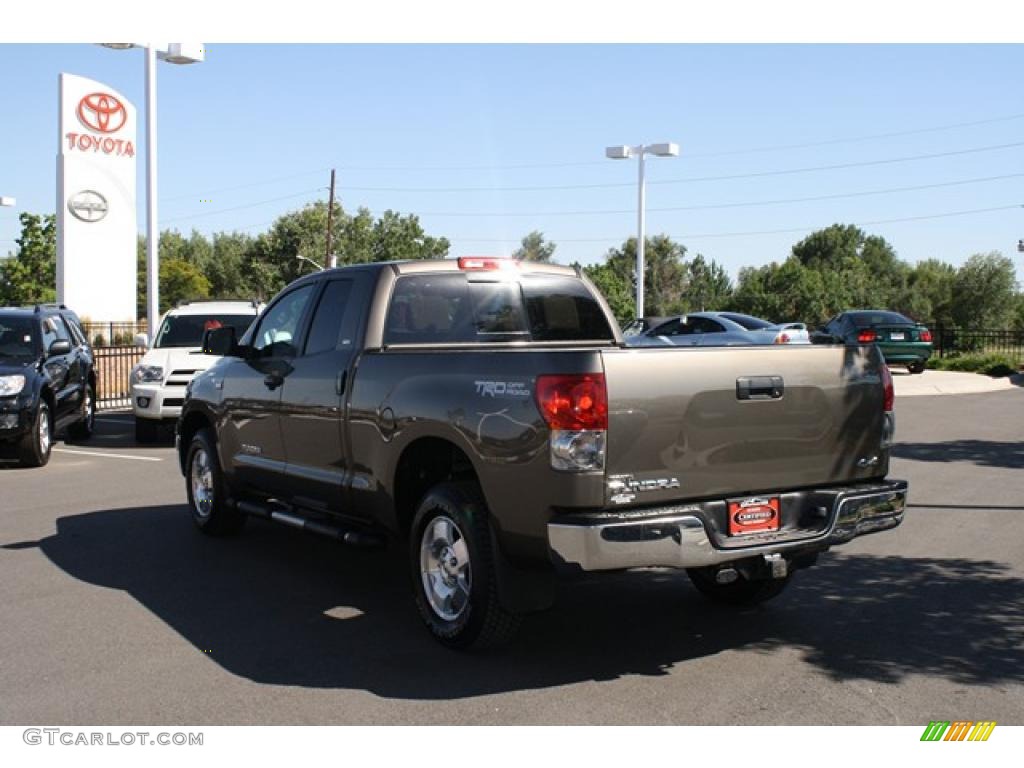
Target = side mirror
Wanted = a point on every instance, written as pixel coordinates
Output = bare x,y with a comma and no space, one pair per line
141,340
60,347
221,342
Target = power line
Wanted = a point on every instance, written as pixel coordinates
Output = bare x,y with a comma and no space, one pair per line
260,183
534,166
632,211
240,207
692,179
723,153
714,206
695,236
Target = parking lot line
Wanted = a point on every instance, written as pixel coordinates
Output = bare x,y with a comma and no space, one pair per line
110,455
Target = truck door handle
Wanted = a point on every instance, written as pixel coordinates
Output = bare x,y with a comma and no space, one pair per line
339,382
273,380
760,388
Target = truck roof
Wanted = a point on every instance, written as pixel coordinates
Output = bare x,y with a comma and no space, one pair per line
215,307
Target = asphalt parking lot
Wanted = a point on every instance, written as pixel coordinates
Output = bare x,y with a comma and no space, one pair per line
115,610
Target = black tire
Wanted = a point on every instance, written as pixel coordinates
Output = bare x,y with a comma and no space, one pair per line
83,428
146,430
741,593
33,450
214,514
915,367
482,621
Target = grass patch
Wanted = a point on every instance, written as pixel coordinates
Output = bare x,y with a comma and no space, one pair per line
991,364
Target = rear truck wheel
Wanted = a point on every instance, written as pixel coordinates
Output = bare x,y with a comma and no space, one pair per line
146,430
204,482
742,592
34,447
917,367
83,428
453,570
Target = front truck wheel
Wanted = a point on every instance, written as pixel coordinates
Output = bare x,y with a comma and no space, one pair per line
453,569
207,499
741,592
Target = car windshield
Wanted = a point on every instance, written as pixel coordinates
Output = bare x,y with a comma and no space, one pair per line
188,330
17,338
748,322
871,319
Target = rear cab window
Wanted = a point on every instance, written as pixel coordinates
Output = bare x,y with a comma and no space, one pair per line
444,308
870,319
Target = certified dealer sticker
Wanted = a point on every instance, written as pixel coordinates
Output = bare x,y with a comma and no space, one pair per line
88,205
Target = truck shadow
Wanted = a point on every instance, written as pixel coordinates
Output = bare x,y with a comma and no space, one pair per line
276,606
986,453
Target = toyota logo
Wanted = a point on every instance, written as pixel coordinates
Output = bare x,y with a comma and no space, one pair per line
88,205
102,112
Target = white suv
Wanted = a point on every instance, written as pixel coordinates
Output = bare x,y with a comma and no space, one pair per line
159,379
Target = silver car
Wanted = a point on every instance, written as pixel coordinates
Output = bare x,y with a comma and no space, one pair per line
720,329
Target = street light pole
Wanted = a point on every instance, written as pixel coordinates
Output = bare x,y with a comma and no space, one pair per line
641,236
175,53
152,227
664,149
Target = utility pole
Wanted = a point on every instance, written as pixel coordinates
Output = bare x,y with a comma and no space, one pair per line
329,262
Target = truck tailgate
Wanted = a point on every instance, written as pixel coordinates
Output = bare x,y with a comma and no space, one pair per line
728,421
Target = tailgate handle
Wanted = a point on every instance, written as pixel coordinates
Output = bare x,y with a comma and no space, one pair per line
760,388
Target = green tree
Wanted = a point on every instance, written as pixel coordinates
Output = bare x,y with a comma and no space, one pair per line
397,237
708,286
984,290
664,273
534,248
225,267
616,289
859,270
784,292
928,295
180,281
271,262
30,275
1017,318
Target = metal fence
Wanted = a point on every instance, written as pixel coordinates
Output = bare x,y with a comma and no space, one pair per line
115,353
113,368
112,334
948,340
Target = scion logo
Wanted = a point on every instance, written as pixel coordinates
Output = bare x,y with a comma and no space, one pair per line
959,730
102,112
88,205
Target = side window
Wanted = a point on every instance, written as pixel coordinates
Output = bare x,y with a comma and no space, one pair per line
77,334
331,319
671,328
706,325
53,330
429,309
276,335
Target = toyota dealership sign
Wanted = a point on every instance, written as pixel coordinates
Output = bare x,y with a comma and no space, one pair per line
96,218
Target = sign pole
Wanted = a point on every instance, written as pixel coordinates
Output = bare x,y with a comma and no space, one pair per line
152,231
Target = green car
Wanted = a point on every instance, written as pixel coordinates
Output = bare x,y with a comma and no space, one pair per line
902,341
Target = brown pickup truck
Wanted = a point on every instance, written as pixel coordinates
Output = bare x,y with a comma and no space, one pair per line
487,414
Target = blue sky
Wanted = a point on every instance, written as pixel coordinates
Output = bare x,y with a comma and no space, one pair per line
444,132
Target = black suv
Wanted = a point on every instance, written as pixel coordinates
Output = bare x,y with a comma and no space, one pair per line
47,381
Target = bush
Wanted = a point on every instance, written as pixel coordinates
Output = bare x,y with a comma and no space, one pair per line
992,364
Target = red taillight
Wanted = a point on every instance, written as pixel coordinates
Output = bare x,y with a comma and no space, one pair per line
484,263
782,338
866,337
926,335
573,402
889,398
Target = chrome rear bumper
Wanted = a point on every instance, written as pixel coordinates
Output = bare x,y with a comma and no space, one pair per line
677,540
